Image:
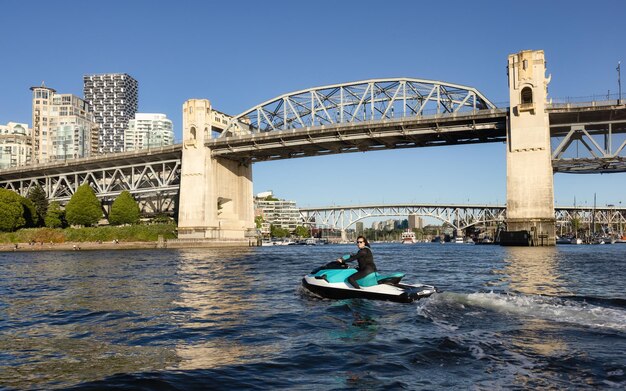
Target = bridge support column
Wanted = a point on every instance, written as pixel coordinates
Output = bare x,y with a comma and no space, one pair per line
530,187
215,201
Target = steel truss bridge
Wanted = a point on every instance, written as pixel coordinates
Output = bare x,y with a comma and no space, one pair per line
459,217
377,114
367,115
152,177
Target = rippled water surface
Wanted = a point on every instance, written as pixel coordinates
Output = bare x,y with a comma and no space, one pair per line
509,318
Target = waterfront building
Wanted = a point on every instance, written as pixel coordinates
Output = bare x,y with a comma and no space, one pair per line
279,213
63,126
114,99
359,228
148,130
16,145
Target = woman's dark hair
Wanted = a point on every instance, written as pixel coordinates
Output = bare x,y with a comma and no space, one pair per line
367,244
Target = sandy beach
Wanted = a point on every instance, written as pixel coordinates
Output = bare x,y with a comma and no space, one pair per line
77,246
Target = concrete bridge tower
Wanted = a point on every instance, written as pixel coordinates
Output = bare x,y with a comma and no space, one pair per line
530,187
215,201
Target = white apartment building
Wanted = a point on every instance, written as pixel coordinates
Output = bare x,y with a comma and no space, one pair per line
148,130
279,213
63,126
114,99
16,145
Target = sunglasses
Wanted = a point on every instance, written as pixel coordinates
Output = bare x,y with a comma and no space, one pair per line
360,241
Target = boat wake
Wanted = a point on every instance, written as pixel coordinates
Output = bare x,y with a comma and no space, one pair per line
607,314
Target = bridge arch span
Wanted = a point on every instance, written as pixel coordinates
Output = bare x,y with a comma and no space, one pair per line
458,216
360,101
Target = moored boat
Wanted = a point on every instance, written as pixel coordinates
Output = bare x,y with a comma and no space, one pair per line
408,237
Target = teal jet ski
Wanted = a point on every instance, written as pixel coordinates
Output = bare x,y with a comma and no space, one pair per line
331,282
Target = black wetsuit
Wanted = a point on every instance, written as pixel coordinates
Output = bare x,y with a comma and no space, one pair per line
366,265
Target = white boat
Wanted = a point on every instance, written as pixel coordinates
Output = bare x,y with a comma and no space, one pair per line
568,240
459,239
408,237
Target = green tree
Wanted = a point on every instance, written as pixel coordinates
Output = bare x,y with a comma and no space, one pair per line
84,208
30,213
38,197
278,232
301,232
576,224
258,221
55,217
12,209
124,210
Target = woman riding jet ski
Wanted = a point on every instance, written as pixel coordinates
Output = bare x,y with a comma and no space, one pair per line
336,281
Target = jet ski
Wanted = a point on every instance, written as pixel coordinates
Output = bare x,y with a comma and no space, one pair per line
331,282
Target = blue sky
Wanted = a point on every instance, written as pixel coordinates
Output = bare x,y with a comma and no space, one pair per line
240,53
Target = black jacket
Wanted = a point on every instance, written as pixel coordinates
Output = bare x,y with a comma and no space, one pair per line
365,258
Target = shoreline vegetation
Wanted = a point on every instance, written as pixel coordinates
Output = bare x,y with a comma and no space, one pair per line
88,238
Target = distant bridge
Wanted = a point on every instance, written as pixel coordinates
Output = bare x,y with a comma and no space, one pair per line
459,217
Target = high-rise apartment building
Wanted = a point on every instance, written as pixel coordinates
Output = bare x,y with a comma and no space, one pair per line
416,221
16,145
63,126
113,98
148,130
42,111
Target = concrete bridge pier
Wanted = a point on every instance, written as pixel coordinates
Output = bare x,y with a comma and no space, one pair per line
215,202
530,186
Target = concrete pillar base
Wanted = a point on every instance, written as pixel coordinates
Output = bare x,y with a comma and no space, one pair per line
542,231
216,233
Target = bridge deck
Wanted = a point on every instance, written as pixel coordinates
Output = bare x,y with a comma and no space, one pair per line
447,129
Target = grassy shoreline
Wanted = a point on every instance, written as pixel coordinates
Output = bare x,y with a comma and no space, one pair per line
99,235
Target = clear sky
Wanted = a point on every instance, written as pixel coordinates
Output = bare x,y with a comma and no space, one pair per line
241,53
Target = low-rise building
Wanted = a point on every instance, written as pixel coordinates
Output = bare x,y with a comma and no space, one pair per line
16,148
276,212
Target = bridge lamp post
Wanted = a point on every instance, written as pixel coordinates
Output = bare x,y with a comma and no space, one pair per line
619,82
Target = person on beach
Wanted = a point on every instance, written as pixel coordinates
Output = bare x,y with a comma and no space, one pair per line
365,258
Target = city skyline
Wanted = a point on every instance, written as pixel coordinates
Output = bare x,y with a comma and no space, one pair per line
251,53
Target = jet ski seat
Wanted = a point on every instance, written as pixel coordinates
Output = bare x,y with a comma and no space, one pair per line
341,275
376,278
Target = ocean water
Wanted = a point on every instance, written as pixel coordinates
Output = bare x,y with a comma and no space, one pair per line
508,318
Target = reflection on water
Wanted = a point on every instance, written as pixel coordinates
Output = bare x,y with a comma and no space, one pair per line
214,292
534,270
65,315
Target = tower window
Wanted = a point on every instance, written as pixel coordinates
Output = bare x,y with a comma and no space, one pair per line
527,95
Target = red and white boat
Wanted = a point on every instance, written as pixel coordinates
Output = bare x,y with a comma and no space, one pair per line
408,237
